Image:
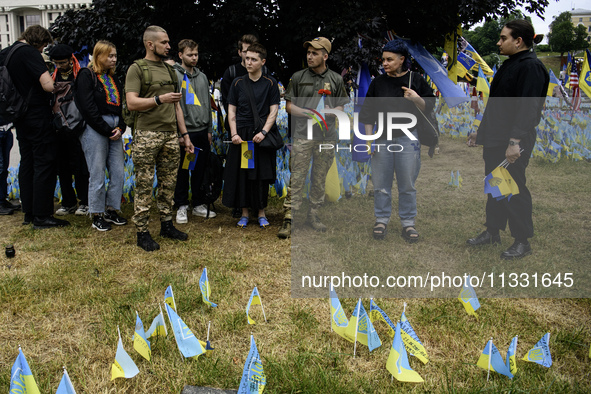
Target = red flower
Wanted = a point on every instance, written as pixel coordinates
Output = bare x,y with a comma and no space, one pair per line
324,92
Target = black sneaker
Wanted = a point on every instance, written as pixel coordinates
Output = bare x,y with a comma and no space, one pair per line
99,222
112,216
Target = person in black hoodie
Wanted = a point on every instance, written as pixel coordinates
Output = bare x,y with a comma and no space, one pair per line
508,132
98,96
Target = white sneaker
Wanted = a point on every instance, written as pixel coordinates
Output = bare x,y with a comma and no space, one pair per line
82,210
181,214
201,210
63,211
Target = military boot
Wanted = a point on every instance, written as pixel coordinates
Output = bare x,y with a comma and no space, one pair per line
145,241
167,230
285,230
314,221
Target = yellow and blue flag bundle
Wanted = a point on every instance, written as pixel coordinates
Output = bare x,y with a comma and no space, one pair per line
255,299
464,64
500,184
190,160
205,289
158,326
338,319
468,298
361,329
65,386
481,63
190,96
169,297
540,353
186,341
491,360
585,79
375,313
140,343
247,155
21,377
253,376
511,359
123,366
411,340
397,363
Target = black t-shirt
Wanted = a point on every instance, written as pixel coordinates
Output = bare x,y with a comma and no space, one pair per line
266,93
25,68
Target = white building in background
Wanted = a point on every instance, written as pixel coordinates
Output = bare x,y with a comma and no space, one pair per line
17,15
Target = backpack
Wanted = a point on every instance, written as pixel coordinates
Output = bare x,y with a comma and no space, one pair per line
66,116
212,180
12,104
130,117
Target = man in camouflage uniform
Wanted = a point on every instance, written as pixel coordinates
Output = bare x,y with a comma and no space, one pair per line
306,89
156,138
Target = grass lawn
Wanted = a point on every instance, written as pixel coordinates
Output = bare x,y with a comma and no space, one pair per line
67,290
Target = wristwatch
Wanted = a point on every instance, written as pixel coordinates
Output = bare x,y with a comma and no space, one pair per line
264,133
511,142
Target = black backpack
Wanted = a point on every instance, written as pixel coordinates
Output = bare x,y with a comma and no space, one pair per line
212,180
12,104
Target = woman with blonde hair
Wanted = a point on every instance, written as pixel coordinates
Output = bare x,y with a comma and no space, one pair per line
98,96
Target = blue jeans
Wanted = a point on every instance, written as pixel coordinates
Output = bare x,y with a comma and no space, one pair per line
6,142
101,152
406,164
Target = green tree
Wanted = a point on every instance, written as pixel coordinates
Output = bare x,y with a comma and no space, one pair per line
564,37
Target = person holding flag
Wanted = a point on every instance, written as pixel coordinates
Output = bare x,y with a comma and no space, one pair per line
508,131
196,106
248,186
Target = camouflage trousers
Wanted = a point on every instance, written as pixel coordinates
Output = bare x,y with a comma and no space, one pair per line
159,150
302,152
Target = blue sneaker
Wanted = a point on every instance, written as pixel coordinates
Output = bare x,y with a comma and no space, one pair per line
263,222
243,222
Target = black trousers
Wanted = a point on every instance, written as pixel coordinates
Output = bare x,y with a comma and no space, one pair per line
71,162
518,210
181,191
37,174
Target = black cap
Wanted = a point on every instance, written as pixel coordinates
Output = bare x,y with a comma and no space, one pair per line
61,52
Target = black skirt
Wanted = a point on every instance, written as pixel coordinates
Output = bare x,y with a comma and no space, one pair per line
248,188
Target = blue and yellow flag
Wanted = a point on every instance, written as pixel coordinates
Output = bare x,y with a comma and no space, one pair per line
65,386
375,313
338,318
255,299
140,343
397,363
511,359
411,340
253,376
482,84
205,289
585,78
321,105
491,360
553,83
477,120
158,327
190,96
190,160
123,366
540,353
468,298
169,297
188,344
21,377
366,333
247,155
464,64
481,63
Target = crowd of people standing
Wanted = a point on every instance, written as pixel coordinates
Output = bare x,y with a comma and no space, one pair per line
169,108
